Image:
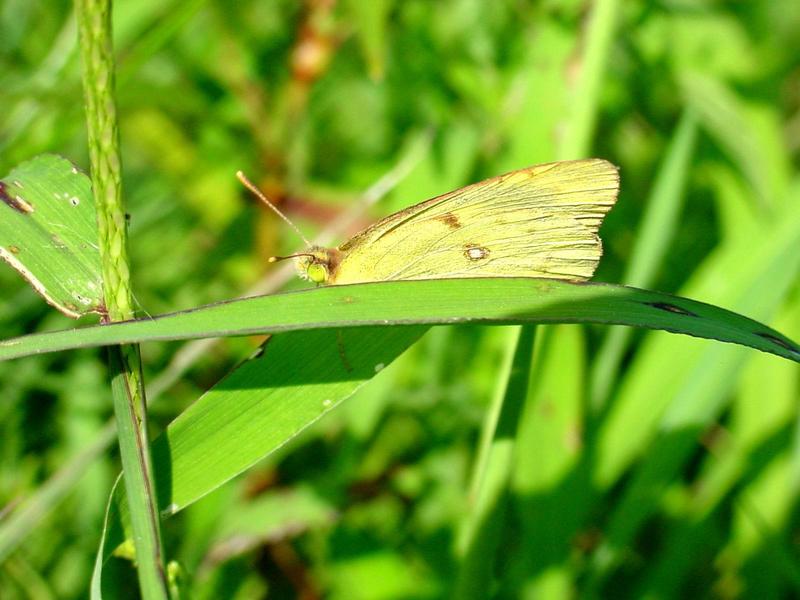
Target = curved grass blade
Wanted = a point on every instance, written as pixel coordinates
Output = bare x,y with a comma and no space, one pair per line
48,232
301,375
492,301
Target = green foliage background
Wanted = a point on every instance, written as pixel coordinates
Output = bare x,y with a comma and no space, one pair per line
646,465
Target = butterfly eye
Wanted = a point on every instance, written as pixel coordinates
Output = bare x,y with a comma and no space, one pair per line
318,273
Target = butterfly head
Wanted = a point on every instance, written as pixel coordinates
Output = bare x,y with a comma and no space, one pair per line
318,264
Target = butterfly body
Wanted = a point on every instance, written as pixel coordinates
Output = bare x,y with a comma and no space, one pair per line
536,222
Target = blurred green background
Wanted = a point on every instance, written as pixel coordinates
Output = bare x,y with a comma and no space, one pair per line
646,466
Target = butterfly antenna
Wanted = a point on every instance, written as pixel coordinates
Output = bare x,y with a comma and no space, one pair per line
250,186
273,259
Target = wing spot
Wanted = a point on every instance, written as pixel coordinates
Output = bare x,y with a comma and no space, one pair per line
473,252
450,220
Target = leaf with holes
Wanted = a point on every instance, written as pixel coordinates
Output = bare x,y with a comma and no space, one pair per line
48,232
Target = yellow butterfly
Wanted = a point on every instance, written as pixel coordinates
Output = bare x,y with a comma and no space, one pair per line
541,221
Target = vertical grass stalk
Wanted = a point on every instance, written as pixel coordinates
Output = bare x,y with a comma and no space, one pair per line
481,529
94,28
577,141
656,230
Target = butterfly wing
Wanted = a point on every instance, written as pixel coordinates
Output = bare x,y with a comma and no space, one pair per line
536,222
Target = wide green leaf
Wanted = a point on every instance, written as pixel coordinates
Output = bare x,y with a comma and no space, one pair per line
269,399
48,232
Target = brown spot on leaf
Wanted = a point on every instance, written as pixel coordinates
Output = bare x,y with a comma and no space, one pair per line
671,308
342,354
450,220
16,202
776,340
13,249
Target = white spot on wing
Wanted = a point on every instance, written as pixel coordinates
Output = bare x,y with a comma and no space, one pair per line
476,252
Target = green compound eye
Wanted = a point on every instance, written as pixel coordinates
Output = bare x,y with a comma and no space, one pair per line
317,273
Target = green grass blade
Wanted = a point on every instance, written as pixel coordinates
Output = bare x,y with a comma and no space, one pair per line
753,422
754,275
756,279
125,367
371,21
491,301
268,400
755,145
756,467
111,532
15,528
656,231
583,113
481,529
548,478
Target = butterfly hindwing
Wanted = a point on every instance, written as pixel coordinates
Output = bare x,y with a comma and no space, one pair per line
536,222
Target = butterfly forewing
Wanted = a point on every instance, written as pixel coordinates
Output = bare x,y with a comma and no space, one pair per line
536,222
